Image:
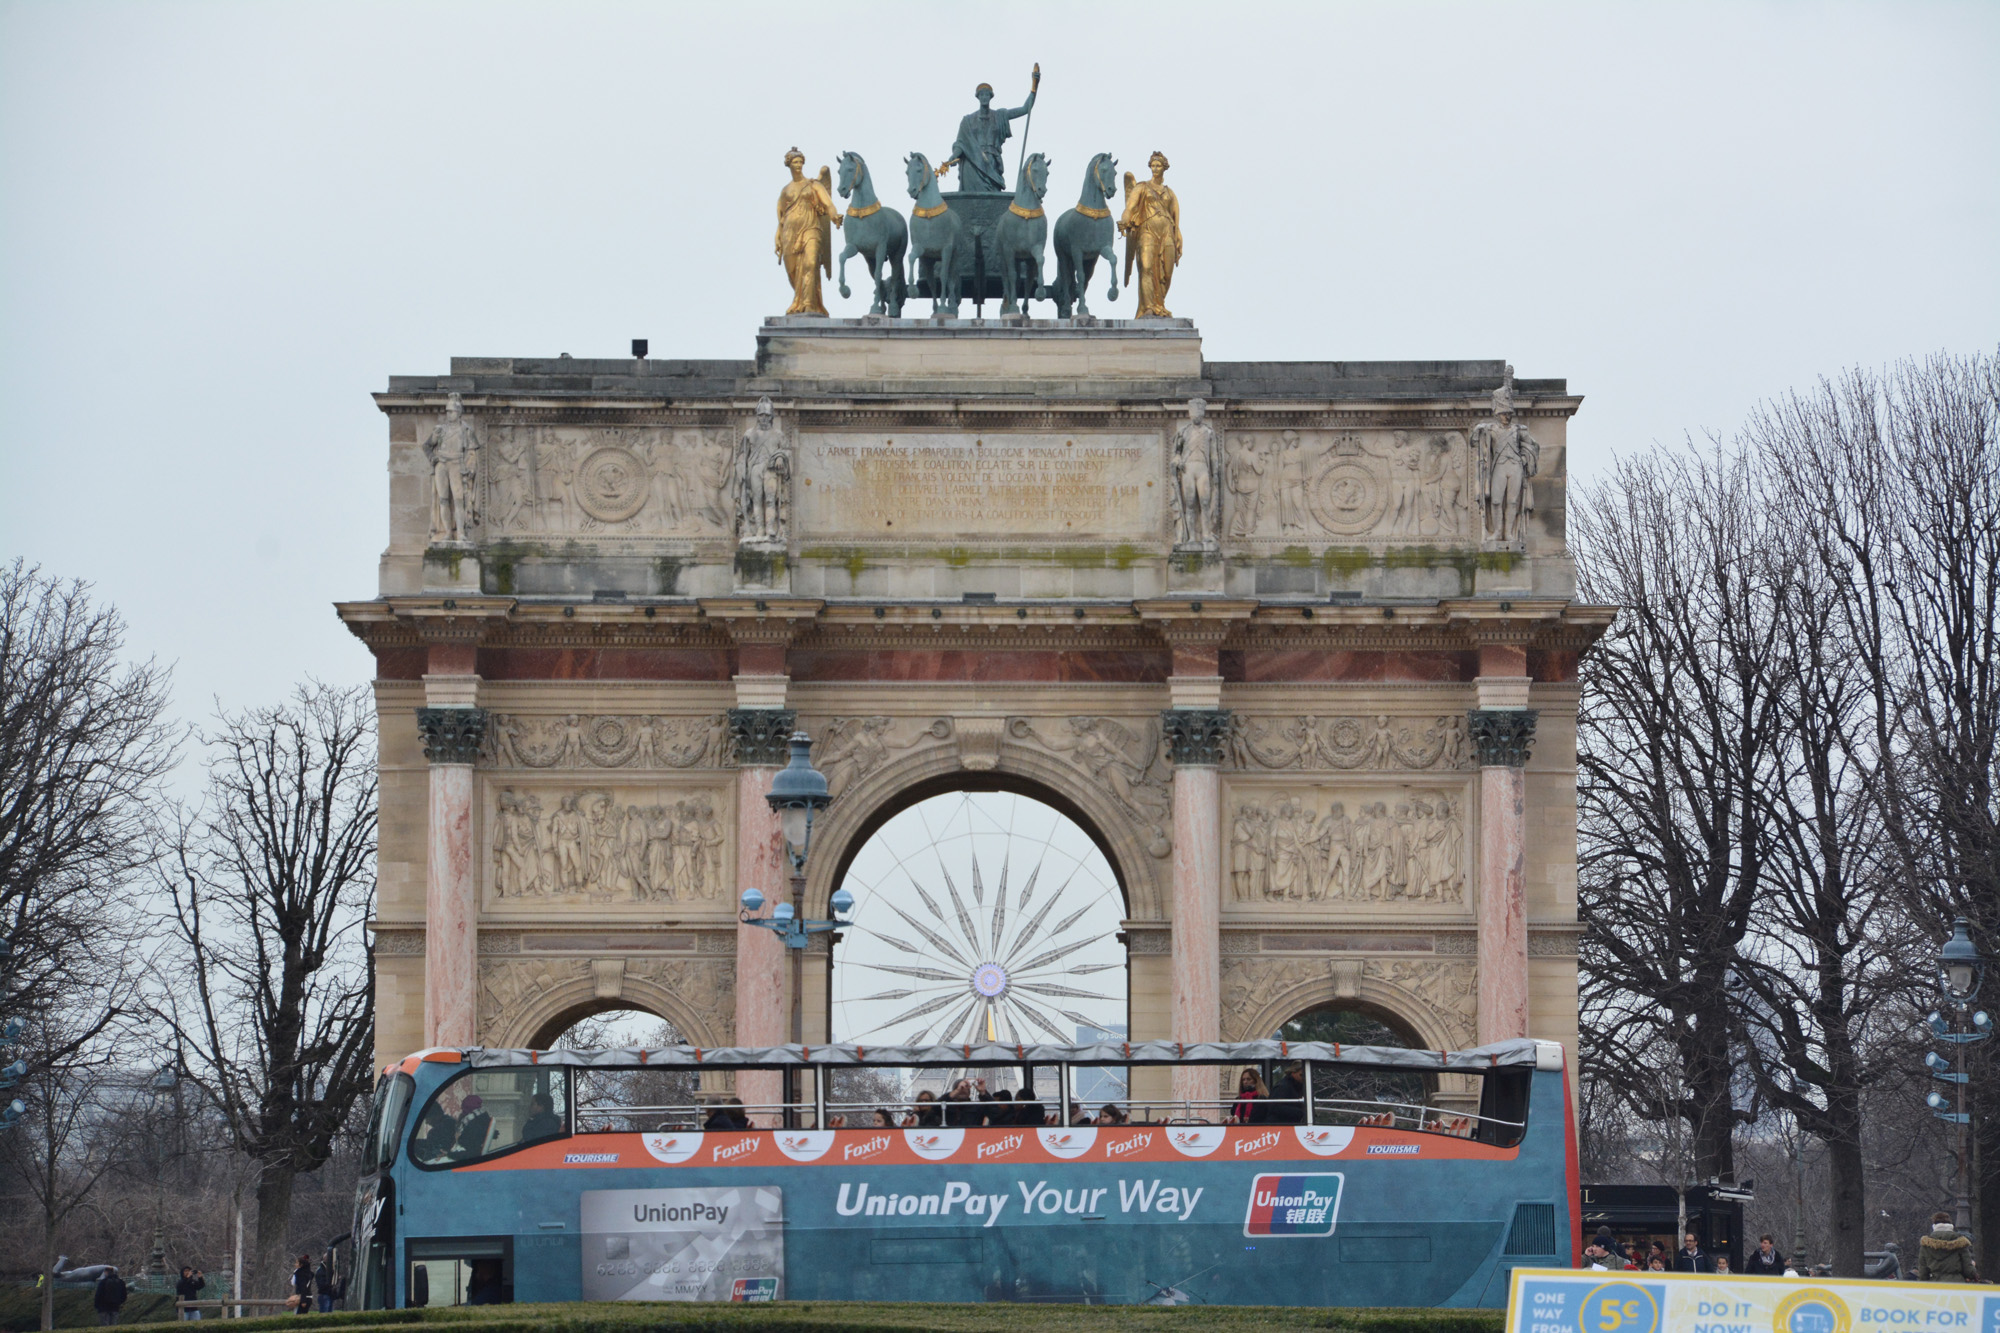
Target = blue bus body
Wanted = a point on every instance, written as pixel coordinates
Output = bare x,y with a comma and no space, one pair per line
1318,1214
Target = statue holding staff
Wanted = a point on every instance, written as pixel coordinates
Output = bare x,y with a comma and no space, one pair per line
981,135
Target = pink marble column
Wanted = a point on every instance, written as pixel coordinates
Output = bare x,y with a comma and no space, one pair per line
1503,906
451,895
763,1012
1197,976
1501,738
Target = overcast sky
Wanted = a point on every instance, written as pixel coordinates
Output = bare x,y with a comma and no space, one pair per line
222,226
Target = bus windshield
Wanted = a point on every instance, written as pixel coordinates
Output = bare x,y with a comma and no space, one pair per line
483,1113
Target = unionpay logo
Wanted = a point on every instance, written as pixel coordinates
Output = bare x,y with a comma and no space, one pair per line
1190,1141
804,1145
933,1145
1072,1142
1324,1140
673,1149
1293,1205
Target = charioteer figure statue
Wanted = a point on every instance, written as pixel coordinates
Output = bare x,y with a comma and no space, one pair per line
980,137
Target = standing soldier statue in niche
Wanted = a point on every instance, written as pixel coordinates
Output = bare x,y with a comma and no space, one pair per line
1197,480
1508,459
1152,230
981,135
452,450
806,218
763,473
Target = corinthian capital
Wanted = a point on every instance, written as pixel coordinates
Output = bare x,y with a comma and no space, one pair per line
1197,735
762,736
1501,737
452,735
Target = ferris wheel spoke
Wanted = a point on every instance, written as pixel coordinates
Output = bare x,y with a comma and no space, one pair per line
999,907
1088,968
1060,951
1062,992
890,940
1028,889
927,1007
921,973
1038,1018
1055,933
958,903
1034,926
937,941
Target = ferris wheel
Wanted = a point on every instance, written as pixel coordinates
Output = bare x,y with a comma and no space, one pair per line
980,916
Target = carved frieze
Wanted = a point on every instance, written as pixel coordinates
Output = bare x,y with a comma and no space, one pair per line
1317,485
1432,996
507,986
1338,744
607,481
1397,845
579,845
609,740
512,991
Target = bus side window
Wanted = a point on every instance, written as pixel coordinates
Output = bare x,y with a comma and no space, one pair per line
1503,1097
484,1112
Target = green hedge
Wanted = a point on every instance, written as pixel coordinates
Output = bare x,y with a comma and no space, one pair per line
21,1308
857,1317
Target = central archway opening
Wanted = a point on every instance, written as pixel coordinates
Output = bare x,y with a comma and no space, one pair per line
981,916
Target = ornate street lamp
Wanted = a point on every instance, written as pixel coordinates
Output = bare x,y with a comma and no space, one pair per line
1959,973
798,794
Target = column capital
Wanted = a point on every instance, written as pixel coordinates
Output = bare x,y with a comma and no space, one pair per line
1197,736
762,737
452,735
1501,737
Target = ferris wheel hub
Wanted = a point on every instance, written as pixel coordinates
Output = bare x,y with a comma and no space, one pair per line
989,981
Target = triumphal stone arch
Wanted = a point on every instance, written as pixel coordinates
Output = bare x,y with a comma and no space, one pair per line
1295,642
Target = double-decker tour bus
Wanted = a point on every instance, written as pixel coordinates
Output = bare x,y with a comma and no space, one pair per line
1363,1176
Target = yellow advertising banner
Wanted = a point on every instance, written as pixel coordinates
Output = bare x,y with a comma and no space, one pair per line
1568,1300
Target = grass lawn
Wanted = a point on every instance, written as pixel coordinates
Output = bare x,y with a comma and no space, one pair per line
857,1317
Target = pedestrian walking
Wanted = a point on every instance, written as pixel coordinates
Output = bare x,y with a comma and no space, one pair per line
302,1286
323,1283
109,1297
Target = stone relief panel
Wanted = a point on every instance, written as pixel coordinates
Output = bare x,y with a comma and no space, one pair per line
964,486
608,481
508,986
849,749
1347,844
1123,757
1351,743
623,844
608,740
1432,996
1339,486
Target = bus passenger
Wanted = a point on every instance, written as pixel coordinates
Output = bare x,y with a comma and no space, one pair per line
729,1115
1288,1099
542,1121
483,1288
1249,1091
929,1115
1028,1111
1002,1110
473,1127
884,1120
435,1134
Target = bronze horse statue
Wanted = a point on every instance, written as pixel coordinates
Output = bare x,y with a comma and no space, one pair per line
1021,238
935,236
1083,236
876,233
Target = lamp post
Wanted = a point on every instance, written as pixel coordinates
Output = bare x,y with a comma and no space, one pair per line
166,1081
1960,971
798,794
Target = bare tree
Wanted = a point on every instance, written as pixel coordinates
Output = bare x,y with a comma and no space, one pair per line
83,746
268,982
1676,740
1893,481
71,1135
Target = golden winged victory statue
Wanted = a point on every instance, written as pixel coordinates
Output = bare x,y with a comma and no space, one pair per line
806,218
1151,226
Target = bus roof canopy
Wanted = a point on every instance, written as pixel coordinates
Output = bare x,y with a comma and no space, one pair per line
1517,1052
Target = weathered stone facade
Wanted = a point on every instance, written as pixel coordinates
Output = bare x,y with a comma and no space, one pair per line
1328,748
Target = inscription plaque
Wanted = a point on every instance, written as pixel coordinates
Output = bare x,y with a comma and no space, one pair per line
970,487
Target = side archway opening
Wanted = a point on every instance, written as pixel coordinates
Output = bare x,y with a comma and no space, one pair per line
1360,1088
